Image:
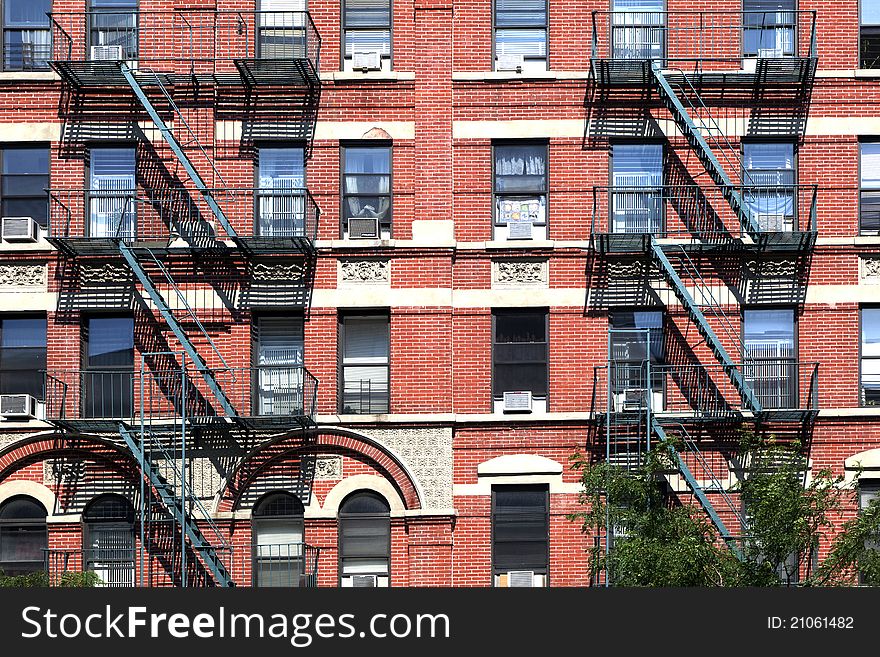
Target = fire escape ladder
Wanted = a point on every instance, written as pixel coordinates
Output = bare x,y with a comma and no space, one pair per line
168,135
697,316
180,504
674,96
128,253
698,489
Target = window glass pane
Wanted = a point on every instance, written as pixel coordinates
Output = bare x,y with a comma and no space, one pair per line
638,5
520,12
111,342
530,43
113,162
870,165
520,528
26,13
637,165
869,489
368,41
367,184
871,331
368,160
769,333
284,165
520,168
365,503
22,508
366,340
869,12
26,160
521,327
98,4
367,13
280,341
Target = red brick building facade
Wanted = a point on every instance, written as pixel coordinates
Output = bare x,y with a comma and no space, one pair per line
291,263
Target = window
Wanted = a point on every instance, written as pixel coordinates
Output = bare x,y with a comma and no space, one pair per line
769,176
869,187
638,29
769,28
520,191
279,551
520,535
25,180
279,360
636,338
869,489
364,540
637,188
23,535
870,356
869,34
365,364
770,356
281,207
113,32
27,44
108,538
366,192
521,35
366,28
519,355
282,29
109,365
22,356
112,210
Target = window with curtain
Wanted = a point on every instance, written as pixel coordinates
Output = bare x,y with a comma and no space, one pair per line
870,357
279,356
108,539
281,193
769,178
636,338
27,39
112,210
25,174
869,34
109,366
520,189
638,29
770,359
366,192
23,535
366,27
114,24
769,28
637,188
281,32
22,356
519,353
869,187
278,547
520,535
364,540
365,364
869,490
521,34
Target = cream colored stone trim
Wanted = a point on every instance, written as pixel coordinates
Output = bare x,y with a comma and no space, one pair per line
27,299
30,488
369,76
869,463
354,483
29,76
484,487
498,76
24,131
332,130
519,465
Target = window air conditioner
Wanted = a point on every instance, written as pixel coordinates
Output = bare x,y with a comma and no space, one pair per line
18,406
20,229
519,230
517,401
363,228
773,221
770,53
510,63
517,579
106,53
366,61
363,581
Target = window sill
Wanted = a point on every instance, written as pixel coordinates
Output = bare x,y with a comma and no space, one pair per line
369,76
37,76
849,73
356,244
500,76
39,245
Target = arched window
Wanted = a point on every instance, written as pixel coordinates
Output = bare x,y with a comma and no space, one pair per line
23,535
278,541
108,539
364,540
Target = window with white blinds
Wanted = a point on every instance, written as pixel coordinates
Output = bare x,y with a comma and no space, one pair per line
870,357
282,33
769,175
869,186
279,355
366,27
281,173
769,28
770,356
112,186
521,33
637,182
278,548
520,529
365,364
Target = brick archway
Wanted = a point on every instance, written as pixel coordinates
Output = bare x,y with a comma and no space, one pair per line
41,447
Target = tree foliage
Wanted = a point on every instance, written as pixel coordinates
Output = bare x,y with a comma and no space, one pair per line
41,579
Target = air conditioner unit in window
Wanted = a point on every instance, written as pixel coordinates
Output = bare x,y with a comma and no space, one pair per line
774,222
770,53
519,230
635,399
18,406
363,228
363,581
510,63
517,401
518,579
366,61
106,53
20,229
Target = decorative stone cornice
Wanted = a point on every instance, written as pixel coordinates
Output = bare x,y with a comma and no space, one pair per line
364,272
23,275
520,273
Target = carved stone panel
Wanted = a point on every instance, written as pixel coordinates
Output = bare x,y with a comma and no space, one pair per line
328,467
520,273
18,275
364,272
869,270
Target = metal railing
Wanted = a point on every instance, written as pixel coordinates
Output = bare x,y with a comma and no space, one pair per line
280,211
701,213
193,41
266,391
285,565
705,391
114,566
703,37
365,396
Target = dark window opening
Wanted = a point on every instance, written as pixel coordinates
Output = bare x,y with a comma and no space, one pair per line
364,540
279,550
23,356
23,536
520,535
365,364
